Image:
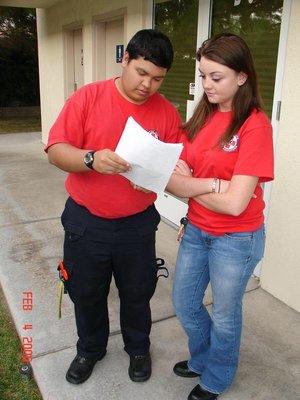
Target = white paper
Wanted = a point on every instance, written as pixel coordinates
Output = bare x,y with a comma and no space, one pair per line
151,160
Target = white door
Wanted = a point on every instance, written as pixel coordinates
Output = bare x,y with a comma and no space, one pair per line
113,43
73,55
109,47
78,59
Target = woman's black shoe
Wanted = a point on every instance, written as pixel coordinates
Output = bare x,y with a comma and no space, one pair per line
80,369
200,394
182,369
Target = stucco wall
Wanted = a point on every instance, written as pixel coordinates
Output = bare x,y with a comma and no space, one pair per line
51,51
281,266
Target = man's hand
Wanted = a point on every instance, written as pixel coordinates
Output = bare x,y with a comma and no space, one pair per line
139,188
108,162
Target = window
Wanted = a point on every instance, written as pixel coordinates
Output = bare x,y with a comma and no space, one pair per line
178,19
258,22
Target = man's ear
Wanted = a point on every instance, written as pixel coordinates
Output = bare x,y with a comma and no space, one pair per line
125,59
242,78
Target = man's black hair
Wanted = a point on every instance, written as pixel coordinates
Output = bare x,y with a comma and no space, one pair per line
153,46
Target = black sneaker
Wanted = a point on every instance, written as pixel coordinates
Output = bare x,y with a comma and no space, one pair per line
140,368
200,394
80,369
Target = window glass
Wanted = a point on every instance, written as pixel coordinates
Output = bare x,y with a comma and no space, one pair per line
178,20
258,22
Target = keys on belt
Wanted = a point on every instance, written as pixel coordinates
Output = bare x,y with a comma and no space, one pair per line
183,223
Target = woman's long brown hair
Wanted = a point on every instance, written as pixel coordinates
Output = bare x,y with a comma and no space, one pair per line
232,51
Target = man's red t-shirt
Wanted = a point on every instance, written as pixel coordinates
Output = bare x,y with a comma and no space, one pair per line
250,152
93,119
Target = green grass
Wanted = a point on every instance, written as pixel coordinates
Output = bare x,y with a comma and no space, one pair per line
20,124
13,386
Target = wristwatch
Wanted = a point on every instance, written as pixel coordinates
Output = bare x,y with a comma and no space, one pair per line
88,159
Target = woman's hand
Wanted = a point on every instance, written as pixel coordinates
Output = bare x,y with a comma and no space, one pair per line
182,168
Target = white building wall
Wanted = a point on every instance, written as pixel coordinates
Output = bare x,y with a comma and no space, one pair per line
281,265
50,71
51,23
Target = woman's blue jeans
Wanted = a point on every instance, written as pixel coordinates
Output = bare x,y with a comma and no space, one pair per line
227,262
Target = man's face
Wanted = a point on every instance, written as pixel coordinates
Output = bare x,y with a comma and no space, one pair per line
140,79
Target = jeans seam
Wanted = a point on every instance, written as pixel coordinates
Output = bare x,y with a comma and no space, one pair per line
232,349
235,311
191,306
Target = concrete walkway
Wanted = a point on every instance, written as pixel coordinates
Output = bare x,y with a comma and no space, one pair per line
31,199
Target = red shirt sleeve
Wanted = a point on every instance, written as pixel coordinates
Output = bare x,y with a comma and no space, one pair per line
69,125
256,156
175,131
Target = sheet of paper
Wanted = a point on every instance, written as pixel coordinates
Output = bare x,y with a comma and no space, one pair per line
152,161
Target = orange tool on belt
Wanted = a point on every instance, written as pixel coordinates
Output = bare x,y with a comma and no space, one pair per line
63,273
64,277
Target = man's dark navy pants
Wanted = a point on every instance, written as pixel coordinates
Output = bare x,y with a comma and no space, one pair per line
95,249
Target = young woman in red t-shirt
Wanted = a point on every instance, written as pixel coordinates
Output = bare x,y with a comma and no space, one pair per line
228,138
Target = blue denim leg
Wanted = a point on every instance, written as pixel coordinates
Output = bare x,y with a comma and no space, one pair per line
190,282
231,261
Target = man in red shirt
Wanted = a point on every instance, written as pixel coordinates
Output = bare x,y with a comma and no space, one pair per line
109,223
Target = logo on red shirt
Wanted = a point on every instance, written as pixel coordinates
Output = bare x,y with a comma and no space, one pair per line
232,145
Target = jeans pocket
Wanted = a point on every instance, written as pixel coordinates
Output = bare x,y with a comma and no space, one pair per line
238,246
240,235
250,244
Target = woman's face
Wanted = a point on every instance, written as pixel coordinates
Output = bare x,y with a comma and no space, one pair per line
220,83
